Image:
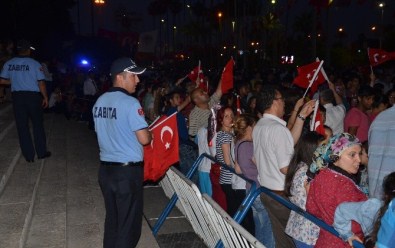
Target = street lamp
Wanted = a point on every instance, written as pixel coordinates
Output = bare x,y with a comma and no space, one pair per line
381,6
174,38
93,2
219,14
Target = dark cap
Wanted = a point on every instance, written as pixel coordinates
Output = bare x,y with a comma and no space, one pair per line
125,64
23,45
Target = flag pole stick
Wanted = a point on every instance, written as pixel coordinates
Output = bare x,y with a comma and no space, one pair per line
157,118
323,71
198,76
312,121
152,128
314,77
370,64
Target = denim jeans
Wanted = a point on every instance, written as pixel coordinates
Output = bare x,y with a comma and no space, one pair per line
263,227
300,244
188,155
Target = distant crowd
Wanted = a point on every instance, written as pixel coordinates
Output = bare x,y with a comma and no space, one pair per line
261,129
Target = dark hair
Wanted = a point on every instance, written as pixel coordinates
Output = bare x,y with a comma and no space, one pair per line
389,194
265,98
327,96
365,91
226,98
220,117
365,145
291,97
304,150
380,99
171,94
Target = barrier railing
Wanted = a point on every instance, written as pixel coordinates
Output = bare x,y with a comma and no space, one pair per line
247,203
232,234
195,209
169,191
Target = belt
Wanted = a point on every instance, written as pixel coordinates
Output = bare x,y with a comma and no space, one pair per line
118,164
278,192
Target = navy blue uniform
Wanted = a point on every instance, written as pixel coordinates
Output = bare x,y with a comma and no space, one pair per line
25,75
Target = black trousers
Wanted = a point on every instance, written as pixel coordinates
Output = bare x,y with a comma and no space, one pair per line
122,189
27,106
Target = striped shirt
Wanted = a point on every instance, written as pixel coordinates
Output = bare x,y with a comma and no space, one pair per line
198,117
381,150
225,176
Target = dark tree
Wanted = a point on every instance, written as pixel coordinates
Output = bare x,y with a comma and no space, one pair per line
35,20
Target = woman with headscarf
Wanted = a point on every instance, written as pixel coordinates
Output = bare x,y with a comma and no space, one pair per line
333,173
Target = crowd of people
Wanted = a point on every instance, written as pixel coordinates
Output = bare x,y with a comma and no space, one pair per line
266,138
260,129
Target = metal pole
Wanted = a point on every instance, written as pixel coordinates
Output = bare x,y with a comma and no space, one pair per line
92,19
78,18
382,26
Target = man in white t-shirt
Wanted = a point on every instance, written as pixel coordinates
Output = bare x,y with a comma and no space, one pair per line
273,150
90,94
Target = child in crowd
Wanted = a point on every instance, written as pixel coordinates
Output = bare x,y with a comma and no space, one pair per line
363,180
377,218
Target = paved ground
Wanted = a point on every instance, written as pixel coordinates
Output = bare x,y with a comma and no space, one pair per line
57,202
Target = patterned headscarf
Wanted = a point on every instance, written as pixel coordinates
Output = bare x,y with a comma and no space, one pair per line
331,152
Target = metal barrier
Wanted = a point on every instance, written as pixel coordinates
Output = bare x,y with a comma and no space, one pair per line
169,191
195,210
232,234
247,203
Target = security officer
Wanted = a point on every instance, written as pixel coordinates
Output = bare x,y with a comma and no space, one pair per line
121,132
29,97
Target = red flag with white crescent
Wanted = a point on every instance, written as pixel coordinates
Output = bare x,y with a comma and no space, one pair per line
378,56
197,76
163,150
306,73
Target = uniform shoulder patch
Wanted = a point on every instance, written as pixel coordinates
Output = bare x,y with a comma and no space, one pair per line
140,111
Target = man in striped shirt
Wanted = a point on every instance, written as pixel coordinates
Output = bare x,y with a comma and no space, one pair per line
198,117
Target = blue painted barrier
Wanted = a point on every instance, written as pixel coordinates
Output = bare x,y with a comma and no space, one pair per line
247,203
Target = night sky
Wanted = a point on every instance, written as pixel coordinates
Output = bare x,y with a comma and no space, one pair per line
354,19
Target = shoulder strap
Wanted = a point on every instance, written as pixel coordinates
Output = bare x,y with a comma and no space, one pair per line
237,151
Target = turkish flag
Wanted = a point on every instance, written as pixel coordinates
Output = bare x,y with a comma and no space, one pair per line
227,76
306,73
163,150
316,123
196,73
378,56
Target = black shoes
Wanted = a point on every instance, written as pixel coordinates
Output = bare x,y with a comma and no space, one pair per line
46,155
